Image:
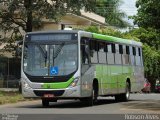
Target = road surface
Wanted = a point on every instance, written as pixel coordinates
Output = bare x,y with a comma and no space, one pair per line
139,103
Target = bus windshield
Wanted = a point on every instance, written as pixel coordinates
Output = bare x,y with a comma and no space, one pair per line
50,59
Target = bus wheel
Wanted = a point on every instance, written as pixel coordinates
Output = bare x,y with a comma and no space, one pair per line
124,96
94,95
45,103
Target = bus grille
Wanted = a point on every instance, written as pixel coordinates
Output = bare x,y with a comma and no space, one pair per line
54,92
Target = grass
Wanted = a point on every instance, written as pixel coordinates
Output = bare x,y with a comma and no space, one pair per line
11,97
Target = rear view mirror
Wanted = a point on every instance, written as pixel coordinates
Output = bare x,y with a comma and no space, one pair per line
19,43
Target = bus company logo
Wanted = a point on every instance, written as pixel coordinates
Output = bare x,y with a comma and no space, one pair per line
48,86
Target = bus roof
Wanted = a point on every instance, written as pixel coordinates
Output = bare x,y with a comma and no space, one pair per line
54,31
110,38
94,35
116,39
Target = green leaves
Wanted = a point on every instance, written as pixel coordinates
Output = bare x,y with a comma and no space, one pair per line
148,14
151,50
110,10
151,61
28,14
20,16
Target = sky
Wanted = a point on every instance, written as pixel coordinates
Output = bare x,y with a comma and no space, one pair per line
129,8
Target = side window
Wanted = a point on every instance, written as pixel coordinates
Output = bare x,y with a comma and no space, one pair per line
141,56
139,51
125,55
85,57
93,51
101,53
134,51
118,58
127,50
120,49
113,48
110,53
132,55
138,57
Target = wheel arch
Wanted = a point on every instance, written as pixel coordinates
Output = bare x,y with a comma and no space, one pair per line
95,84
129,82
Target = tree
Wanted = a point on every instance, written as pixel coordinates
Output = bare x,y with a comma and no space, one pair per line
149,36
110,10
104,31
148,18
151,54
148,15
29,13
24,15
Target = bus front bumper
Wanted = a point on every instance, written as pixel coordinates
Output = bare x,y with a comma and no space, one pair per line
70,92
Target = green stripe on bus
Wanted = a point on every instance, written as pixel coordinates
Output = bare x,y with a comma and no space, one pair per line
59,85
111,38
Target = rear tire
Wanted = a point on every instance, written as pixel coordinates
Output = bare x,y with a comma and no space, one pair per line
45,103
124,96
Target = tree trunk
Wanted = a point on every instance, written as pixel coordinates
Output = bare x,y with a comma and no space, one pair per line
28,6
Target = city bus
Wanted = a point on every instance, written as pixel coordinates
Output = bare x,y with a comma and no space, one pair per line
72,64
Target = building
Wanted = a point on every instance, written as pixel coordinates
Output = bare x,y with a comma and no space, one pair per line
72,20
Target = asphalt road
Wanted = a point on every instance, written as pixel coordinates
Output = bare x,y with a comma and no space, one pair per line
138,104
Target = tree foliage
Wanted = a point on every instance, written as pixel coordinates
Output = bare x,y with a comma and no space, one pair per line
17,16
149,36
151,53
110,10
148,14
104,31
148,18
29,13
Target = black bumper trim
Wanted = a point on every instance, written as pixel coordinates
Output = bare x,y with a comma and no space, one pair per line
41,93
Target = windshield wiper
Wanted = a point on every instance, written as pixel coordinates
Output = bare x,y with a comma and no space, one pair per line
44,53
58,50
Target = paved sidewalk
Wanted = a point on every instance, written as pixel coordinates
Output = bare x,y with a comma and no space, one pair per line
9,89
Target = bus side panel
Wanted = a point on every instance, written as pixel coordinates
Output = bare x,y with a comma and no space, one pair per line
105,80
120,79
99,77
108,78
128,73
86,81
139,78
116,72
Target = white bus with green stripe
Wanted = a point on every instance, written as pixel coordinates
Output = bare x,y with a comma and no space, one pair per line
80,65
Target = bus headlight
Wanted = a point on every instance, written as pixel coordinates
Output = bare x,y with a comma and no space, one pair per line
25,85
74,83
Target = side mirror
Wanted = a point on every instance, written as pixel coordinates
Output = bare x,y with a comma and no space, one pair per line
19,43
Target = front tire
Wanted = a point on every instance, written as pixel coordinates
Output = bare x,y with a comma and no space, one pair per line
45,103
93,99
90,101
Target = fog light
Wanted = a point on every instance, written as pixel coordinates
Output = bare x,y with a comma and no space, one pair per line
74,83
25,85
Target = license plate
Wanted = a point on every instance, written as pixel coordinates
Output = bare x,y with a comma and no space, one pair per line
48,95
